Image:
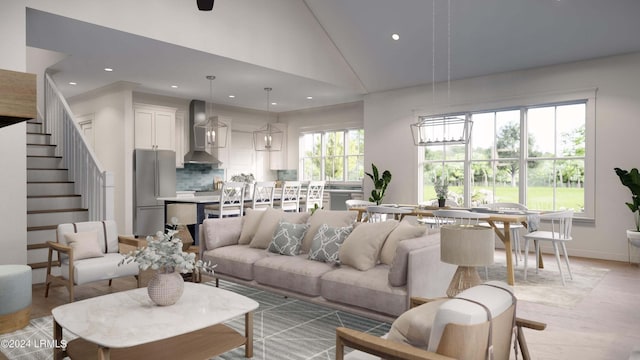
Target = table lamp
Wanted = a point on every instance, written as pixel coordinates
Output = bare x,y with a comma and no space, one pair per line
467,246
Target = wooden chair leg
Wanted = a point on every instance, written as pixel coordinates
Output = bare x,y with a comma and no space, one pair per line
48,277
557,253
217,282
110,282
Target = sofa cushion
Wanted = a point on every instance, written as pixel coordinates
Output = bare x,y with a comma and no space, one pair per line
362,247
287,238
84,244
367,289
403,231
326,244
221,232
99,268
295,273
250,222
414,326
398,271
235,260
269,222
332,218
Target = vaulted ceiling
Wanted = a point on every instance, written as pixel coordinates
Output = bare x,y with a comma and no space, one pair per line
472,38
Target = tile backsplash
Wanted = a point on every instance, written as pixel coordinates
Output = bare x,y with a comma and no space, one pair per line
199,177
288,175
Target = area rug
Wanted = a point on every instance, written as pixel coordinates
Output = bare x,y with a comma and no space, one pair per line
546,287
283,328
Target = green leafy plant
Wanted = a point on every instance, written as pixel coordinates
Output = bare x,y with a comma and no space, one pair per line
631,179
380,184
441,186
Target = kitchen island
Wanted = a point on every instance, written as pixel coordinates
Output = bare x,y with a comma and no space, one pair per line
199,201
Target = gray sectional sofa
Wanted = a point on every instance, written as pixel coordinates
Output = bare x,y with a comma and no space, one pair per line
408,267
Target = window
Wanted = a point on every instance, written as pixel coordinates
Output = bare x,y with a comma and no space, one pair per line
336,155
545,172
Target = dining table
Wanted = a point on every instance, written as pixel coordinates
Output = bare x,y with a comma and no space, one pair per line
506,218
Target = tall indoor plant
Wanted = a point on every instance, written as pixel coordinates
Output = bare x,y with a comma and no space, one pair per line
631,179
380,184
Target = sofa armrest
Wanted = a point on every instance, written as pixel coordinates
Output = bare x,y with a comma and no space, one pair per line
215,233
427,276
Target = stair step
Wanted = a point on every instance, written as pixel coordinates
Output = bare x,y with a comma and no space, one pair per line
43,264
53,202
38,138
47,175
35,188
37,246
38,256
41,234
41,150
55,217
34,127
44,162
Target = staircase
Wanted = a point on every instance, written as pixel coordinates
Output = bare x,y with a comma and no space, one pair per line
51,199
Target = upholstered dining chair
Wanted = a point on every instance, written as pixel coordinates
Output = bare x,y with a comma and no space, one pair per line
478,324
315,191
560,233
263,192
87,252
515,228
231,201
290,197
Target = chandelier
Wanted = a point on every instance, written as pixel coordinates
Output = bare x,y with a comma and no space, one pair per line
216,131
269,137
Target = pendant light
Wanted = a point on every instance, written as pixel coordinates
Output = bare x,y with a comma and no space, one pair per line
441,130
269,137
216,131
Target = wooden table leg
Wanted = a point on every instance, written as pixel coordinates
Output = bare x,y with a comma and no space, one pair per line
506,240
104,353
248,334
58,352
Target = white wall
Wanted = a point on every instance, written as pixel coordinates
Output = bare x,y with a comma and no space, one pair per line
38,60
387,116
113,128
343,116
13,162
277,34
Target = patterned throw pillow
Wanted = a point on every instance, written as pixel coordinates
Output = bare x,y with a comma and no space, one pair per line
287,238
327,242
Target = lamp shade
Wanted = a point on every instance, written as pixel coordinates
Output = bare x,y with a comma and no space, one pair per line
467,245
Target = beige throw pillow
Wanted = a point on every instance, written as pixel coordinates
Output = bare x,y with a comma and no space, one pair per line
413,327
269,223
334,219
403,231
362,248
84,244
250,222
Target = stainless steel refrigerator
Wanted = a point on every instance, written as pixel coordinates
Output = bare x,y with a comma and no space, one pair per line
154,177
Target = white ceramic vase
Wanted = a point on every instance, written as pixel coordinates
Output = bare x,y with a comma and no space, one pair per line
634,237
165,288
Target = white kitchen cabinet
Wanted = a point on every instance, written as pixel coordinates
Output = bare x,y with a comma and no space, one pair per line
155,127
181,139
278,159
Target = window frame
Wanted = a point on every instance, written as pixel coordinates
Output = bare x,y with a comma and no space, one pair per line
324,134
588,97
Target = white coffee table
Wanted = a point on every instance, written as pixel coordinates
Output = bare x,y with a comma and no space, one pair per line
127,325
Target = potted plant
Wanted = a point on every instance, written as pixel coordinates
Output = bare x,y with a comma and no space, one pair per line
379,184
441,185
631,179
164,254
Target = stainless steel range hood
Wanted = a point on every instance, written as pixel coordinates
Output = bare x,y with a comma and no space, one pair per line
197,138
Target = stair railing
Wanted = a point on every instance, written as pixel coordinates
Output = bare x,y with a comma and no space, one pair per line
95,185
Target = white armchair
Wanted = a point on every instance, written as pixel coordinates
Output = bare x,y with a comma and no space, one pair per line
87,252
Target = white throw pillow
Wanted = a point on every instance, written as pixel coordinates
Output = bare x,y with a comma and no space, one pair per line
362,247
84,244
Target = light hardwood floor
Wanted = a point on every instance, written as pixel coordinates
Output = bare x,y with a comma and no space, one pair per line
605,325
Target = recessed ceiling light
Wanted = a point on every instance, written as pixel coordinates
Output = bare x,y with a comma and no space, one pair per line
395,36
309,97
108,69
174,86
232,96
274,103
73,83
